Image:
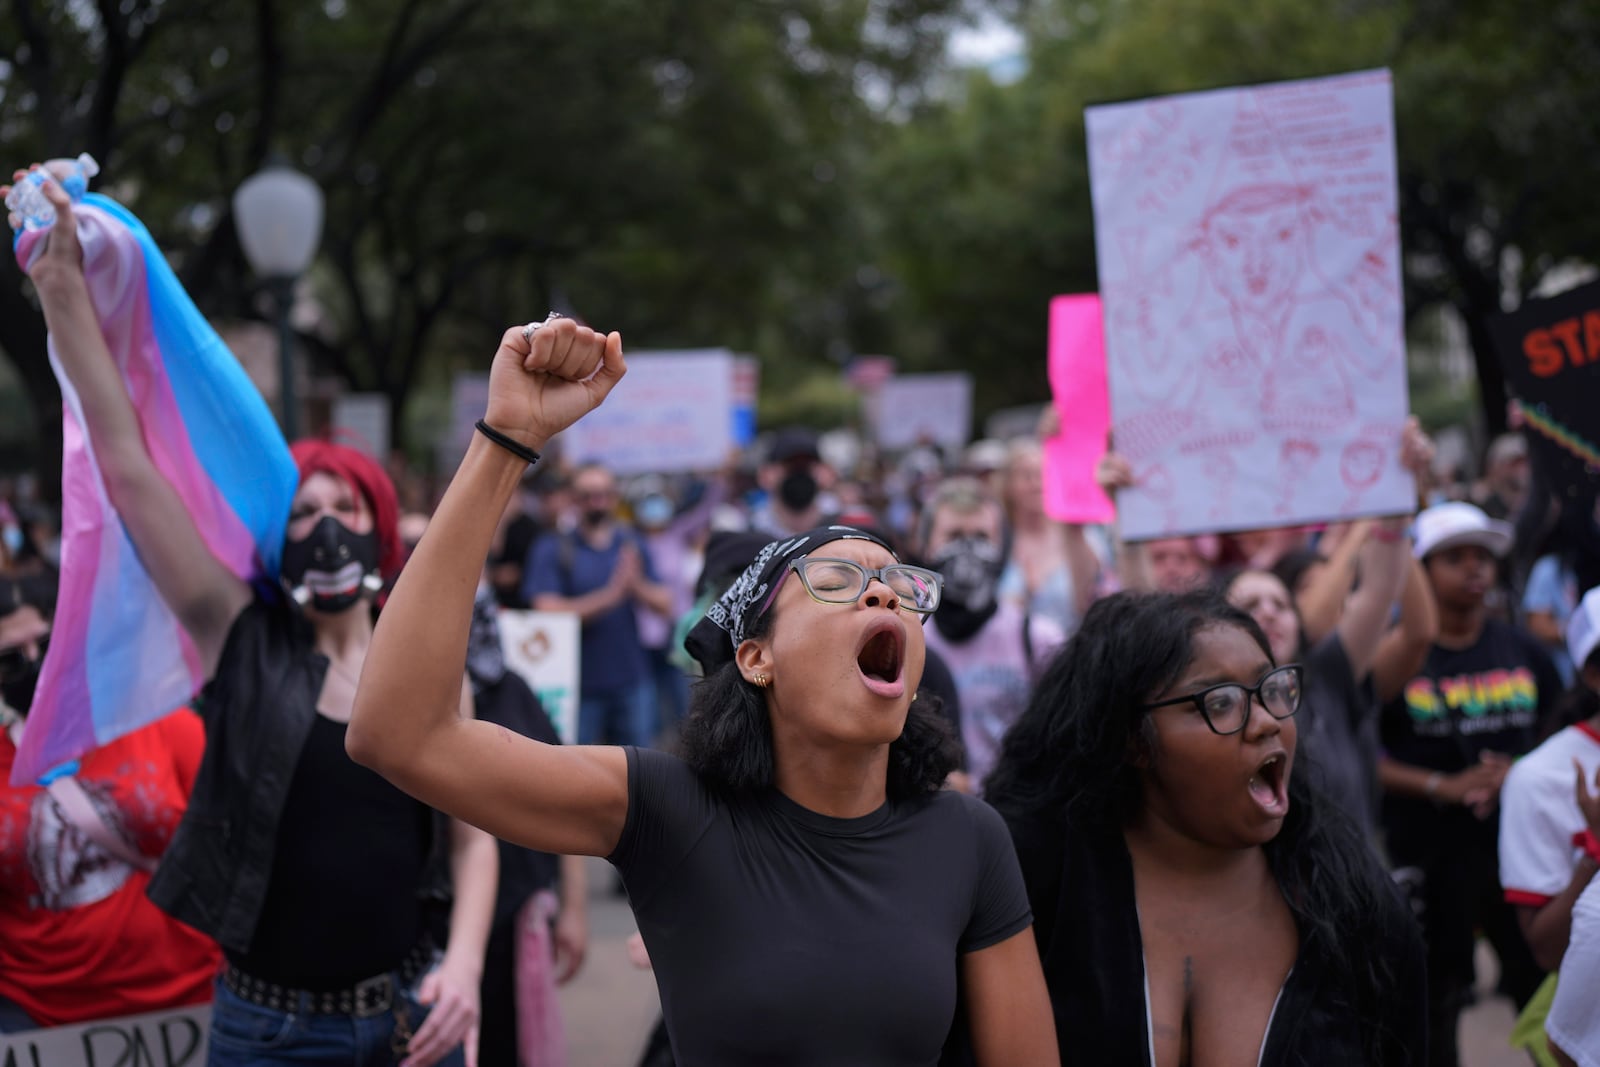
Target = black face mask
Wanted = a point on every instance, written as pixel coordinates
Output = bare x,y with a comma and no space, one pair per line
798,490
333,568
971,568
596,516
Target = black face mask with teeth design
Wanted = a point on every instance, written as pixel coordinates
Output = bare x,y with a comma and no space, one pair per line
332,568
971,567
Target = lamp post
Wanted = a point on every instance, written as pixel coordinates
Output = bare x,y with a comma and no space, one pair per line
278,213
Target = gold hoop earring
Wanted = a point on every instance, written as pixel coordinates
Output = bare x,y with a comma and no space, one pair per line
761,681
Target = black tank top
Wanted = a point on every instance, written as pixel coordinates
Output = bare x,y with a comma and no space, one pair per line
342,901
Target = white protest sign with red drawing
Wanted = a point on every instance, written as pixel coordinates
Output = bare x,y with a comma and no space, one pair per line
1248,250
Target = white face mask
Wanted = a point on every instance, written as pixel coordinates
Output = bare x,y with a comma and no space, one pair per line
11,536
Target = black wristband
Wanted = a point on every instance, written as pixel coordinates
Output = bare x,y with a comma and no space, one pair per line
516,448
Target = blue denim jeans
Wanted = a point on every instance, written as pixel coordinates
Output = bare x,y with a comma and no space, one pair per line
623,716
13,1019
252,1035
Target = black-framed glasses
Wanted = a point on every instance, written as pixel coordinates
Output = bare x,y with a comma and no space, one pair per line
1226,707
15,662
842,581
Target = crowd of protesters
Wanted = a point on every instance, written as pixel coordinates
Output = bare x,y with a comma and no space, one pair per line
1431,665
966,782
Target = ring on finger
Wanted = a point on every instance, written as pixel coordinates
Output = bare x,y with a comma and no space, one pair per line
533,327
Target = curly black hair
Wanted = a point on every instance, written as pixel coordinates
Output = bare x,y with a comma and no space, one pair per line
1070,753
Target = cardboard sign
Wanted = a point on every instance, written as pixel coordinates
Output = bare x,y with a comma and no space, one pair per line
1550,351
1249,261
673,412
916,409
543,647
1078,384
174,1038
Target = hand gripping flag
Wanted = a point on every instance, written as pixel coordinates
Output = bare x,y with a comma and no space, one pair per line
118,657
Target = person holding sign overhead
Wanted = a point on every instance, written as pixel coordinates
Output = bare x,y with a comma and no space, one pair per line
806,891
1448,741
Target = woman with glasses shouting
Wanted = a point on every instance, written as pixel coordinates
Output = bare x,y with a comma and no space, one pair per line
1194,902
806,891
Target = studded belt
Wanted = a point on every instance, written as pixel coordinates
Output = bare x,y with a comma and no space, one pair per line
368,997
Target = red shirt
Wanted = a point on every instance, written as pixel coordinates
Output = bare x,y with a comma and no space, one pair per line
79,940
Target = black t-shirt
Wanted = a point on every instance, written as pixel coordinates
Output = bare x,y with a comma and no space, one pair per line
781,936
334,913
1490,696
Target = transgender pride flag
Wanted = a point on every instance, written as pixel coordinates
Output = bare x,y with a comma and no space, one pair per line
118,658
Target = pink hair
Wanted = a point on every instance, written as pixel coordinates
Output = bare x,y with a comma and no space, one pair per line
315,456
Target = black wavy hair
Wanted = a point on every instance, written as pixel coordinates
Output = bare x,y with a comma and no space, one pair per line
727,736
1070,753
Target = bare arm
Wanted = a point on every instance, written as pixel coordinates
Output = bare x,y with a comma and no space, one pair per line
1008,1005
1477,787
1404,649
1113,472
1543,625
572,924
199,589
586,607
1324,597
1385,554
625,577
1082,564
654,596
1549,928
406,722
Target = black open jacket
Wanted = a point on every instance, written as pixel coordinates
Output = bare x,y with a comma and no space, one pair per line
258,711
1087,925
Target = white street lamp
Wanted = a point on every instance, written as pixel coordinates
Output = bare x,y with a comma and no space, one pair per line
278,213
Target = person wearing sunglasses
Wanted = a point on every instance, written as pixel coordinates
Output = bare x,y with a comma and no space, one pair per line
806,890
1193,900
79,939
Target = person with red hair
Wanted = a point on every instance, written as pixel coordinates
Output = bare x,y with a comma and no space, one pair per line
314,874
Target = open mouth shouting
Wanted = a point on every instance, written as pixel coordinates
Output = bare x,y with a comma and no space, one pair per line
881,658
1269,785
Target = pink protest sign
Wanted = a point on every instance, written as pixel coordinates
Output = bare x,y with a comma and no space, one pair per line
1078,382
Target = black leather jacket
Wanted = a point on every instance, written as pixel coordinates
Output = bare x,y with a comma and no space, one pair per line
258,709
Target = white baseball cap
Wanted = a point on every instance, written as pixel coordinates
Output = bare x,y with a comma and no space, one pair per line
1448,525
1583,629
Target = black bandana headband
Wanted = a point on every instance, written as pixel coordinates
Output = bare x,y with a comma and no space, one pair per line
714,638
